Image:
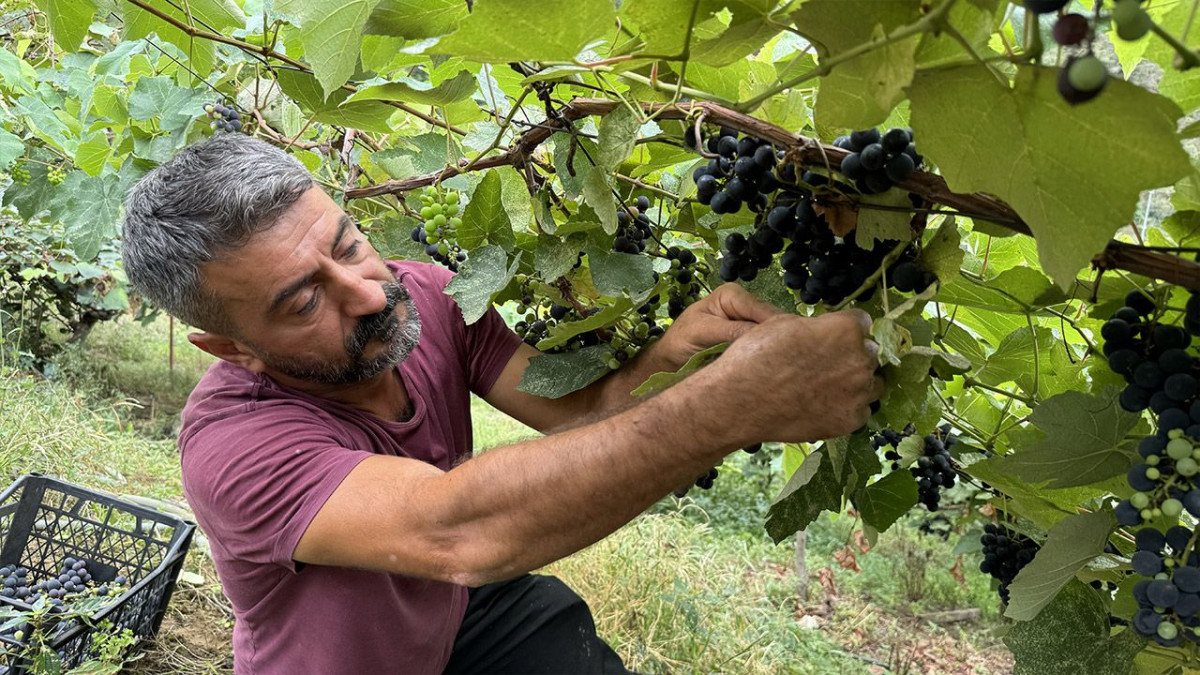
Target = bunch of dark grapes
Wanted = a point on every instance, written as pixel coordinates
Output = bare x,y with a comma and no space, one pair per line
891,437
1005,553
224,117
877,162
685,273
1153,358
440,214
1165,483
741,174
934,469
16,581
1169,598
633,227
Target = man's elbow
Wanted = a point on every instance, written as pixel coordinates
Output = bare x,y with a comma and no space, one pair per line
473,561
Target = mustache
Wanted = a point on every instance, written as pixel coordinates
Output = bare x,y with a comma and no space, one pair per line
380,324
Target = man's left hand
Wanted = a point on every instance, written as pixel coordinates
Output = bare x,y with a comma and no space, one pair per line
721,316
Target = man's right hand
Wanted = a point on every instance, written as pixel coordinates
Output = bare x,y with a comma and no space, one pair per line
797,379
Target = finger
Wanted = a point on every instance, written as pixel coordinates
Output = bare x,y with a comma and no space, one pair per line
872,348
735,302
863,319
714,330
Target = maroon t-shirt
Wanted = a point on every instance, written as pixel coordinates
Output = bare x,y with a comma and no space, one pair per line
260,459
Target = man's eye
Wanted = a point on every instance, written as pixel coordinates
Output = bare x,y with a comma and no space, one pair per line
352,251
310,305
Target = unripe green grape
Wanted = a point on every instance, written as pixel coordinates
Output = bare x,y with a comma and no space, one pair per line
1187,467
1166,629
1153,460
440,220
1179,448
1153,473
451,198
1147,514
427,212
455,222
443,248
1172,508
433,238
1158,512
1140,500
1087,73
1175,433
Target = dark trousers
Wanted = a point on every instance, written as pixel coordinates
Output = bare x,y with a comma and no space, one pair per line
531,624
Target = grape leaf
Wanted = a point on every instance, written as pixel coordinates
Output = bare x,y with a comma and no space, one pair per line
885,223
413,91
883,502
15,73
1083,441
813,488
499,31
554,256
92,211
92,154
1072,636
484,219
597,190
615,274
482,276
331,32
1017,291
946,365
1073,542
215,15
11,148
556,375
160,98
618,131
416,19
563,332
1064,175
943,253
660,381
305,90
861,92
69,20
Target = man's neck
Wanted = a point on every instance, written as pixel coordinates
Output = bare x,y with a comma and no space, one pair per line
383,395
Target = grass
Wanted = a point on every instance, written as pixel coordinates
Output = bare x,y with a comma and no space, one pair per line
692,586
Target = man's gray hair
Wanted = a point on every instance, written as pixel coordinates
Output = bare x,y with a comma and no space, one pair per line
209,199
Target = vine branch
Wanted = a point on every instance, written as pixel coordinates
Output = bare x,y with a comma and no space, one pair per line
930,186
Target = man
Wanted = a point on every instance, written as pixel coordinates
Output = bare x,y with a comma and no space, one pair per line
322,453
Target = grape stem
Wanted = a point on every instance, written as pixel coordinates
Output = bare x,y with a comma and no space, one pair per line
972,382
888,259
1187,57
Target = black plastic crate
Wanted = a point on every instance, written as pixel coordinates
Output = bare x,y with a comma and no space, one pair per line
44,520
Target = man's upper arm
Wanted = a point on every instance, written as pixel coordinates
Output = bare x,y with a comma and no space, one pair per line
538,412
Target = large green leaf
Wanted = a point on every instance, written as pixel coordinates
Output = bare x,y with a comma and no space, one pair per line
306,91
1050,161
1083,443
416,19
11,148
883,502
1072,543
1072,636
485,220
556,375
499,31
92,212
616,274
331,32
660,381
413,91
618,131
860,93
159,98
483,275
69,20
815,487
15,73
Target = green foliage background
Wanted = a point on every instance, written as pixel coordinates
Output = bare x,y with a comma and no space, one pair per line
364,92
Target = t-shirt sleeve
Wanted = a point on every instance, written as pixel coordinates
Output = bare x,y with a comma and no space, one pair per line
490,346
261,477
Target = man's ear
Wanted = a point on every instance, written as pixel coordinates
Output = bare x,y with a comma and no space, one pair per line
227,349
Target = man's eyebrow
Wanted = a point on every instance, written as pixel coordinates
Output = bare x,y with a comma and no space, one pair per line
288,292
344,223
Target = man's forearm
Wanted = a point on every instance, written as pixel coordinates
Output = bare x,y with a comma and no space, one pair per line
520,507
